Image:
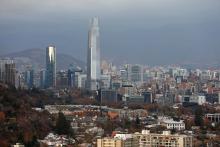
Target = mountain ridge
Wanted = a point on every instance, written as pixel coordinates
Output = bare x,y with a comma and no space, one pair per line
36,57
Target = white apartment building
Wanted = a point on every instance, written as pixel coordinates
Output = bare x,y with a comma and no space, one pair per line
171,124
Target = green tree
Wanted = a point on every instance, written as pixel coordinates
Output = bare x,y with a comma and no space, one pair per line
62,125
199,116
137,121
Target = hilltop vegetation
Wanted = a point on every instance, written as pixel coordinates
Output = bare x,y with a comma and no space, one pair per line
18,121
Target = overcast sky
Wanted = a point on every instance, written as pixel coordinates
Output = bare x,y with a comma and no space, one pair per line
133,31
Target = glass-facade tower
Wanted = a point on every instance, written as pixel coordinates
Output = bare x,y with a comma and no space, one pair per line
50,66
93,56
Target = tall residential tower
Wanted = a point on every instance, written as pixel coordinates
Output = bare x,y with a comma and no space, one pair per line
50,66
93,56
7,71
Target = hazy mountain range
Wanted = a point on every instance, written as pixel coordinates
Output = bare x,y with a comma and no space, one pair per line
37,58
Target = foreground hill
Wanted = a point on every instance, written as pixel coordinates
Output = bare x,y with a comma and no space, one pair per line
18,121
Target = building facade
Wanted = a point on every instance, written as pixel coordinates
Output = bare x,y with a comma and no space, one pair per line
109,142
50,66
93,56
166,139
172,124
119,140
29,78
215,117
42,78
7,71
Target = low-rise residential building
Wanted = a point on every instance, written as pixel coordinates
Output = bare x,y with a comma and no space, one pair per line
215,117
18,145
147,139
166,139
172,124
119,140
128,140
109,142
57,140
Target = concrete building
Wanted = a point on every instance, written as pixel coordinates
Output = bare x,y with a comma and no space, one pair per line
80,80
123,75
109,142
166,139
105,81
108,95
148,97
218,98
172,124
62,79
7,71
136,99
213,117
128,140
135,73
119,140
199,99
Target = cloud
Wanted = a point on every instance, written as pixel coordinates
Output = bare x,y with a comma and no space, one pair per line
177,26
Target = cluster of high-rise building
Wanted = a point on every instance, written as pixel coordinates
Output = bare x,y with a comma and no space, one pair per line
131,83
50,77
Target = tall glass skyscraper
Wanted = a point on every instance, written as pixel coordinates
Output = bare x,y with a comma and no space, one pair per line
50,66
93,56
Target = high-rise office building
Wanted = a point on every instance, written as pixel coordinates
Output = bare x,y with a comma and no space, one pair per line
135,73
50,66
7,71
42,78
62,79
29,78
93,56
71,76
2,70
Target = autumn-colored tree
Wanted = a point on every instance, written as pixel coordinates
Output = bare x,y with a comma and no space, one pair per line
199,116
27,136
189,123
2,117
207,122
22,123
4,143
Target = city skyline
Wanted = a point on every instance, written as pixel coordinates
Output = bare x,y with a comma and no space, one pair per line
153,31
116,73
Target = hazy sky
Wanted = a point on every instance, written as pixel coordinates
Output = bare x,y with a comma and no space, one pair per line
136,31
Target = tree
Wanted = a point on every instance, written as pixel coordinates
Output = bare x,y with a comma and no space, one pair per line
199,116
2,116
189,123
137,121
62,125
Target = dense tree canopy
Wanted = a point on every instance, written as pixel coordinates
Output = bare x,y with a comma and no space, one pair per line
62,125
